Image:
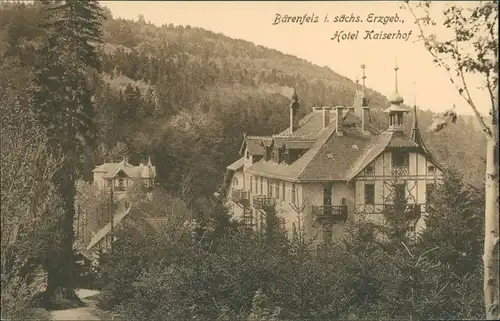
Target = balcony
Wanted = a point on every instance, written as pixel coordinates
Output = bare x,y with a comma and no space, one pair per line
263,202
239,195
330,213
400,170
409,211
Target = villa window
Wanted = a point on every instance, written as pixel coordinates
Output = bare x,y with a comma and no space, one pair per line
120,182
400,192
431,168
429,190
270,188
286,156
276,155
370,169
235,182
251,184
283,191
369,194
400,159
277,189
293,195
262,186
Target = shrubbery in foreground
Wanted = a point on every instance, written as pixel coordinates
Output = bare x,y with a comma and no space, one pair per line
218,271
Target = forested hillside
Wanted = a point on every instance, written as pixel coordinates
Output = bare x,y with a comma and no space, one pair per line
185,96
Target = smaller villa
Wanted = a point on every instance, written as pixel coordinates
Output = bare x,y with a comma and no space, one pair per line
121,176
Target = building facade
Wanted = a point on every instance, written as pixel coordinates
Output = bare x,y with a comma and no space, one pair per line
122,176
333,167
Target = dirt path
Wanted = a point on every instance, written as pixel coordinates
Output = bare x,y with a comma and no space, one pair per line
90,312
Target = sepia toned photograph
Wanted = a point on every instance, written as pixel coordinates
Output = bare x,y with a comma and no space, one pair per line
249,160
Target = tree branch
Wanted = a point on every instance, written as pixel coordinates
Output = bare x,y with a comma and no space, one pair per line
440,61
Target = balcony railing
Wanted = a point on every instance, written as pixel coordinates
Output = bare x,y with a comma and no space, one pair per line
238,195
400,170
332,213
263,202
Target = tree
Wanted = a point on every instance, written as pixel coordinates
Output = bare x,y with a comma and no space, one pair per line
473,50
63,105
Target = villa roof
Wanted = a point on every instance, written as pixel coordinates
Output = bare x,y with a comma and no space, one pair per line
236,165
111,170
117,219
330,156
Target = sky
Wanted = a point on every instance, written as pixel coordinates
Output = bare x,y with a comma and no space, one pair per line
419,79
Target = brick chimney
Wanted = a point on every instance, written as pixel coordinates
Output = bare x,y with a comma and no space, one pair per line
339,118
365,119
326,116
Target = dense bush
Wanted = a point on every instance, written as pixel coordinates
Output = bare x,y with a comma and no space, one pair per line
221,272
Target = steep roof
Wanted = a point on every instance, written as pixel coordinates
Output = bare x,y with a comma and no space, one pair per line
329,156
110,170
237,165
117,219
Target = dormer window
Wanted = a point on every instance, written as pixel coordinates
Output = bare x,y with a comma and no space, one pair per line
276,155
431,168
370,170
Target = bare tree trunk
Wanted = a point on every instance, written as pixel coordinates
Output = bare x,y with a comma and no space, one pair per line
490,254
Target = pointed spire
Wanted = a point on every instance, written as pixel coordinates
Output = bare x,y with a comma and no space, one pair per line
363,66
324,95
295,98
396,68
415,132
415,121
396,98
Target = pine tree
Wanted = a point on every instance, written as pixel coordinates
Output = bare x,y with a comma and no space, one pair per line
454,222
63,103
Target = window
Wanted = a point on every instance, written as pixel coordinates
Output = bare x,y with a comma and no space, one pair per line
400,159
120,182
431,168
267,154
235,182
251,184
429,190
277,189
370,194
262,186
276,155
400,192
293,195
248,155
286,156
270,189
370,169
283,191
